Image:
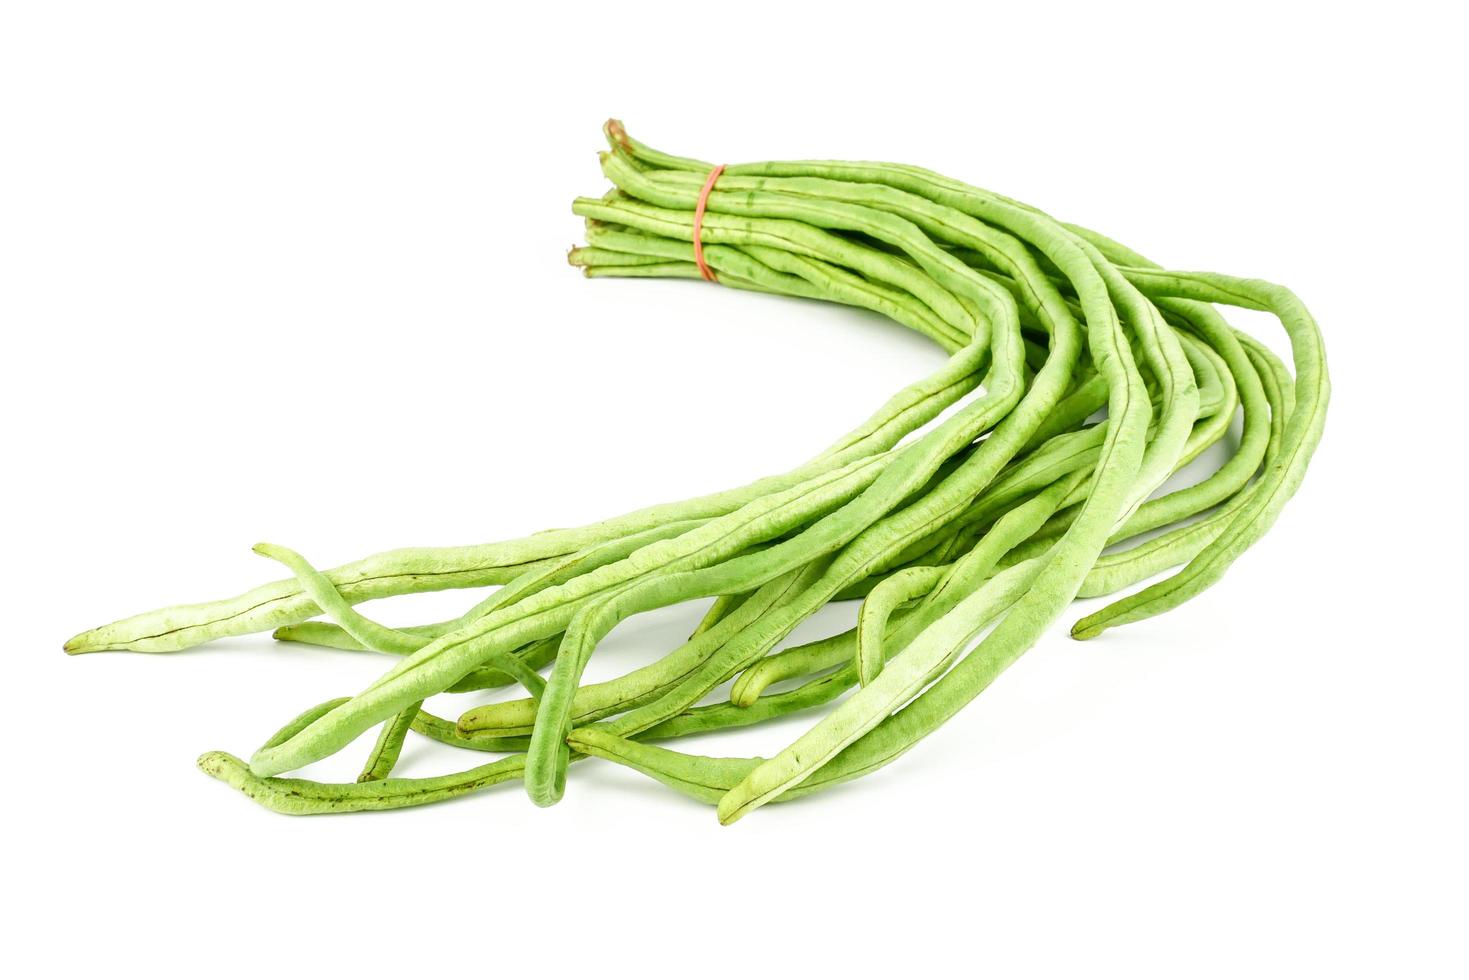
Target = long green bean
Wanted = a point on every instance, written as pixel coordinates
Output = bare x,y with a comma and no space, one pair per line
966,512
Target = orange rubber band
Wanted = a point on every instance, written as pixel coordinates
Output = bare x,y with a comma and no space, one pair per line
704,269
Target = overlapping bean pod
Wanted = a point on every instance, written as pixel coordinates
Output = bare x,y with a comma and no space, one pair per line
1080,377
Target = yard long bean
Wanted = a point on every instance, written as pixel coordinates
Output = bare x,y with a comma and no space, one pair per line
966,512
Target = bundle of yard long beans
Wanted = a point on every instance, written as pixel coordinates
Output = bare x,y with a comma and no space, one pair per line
1080,377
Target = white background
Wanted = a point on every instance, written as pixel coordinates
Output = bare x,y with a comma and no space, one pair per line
293,272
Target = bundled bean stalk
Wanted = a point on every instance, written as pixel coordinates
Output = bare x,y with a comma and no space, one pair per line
980,526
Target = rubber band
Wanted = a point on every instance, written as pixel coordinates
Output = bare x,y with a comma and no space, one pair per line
704,269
